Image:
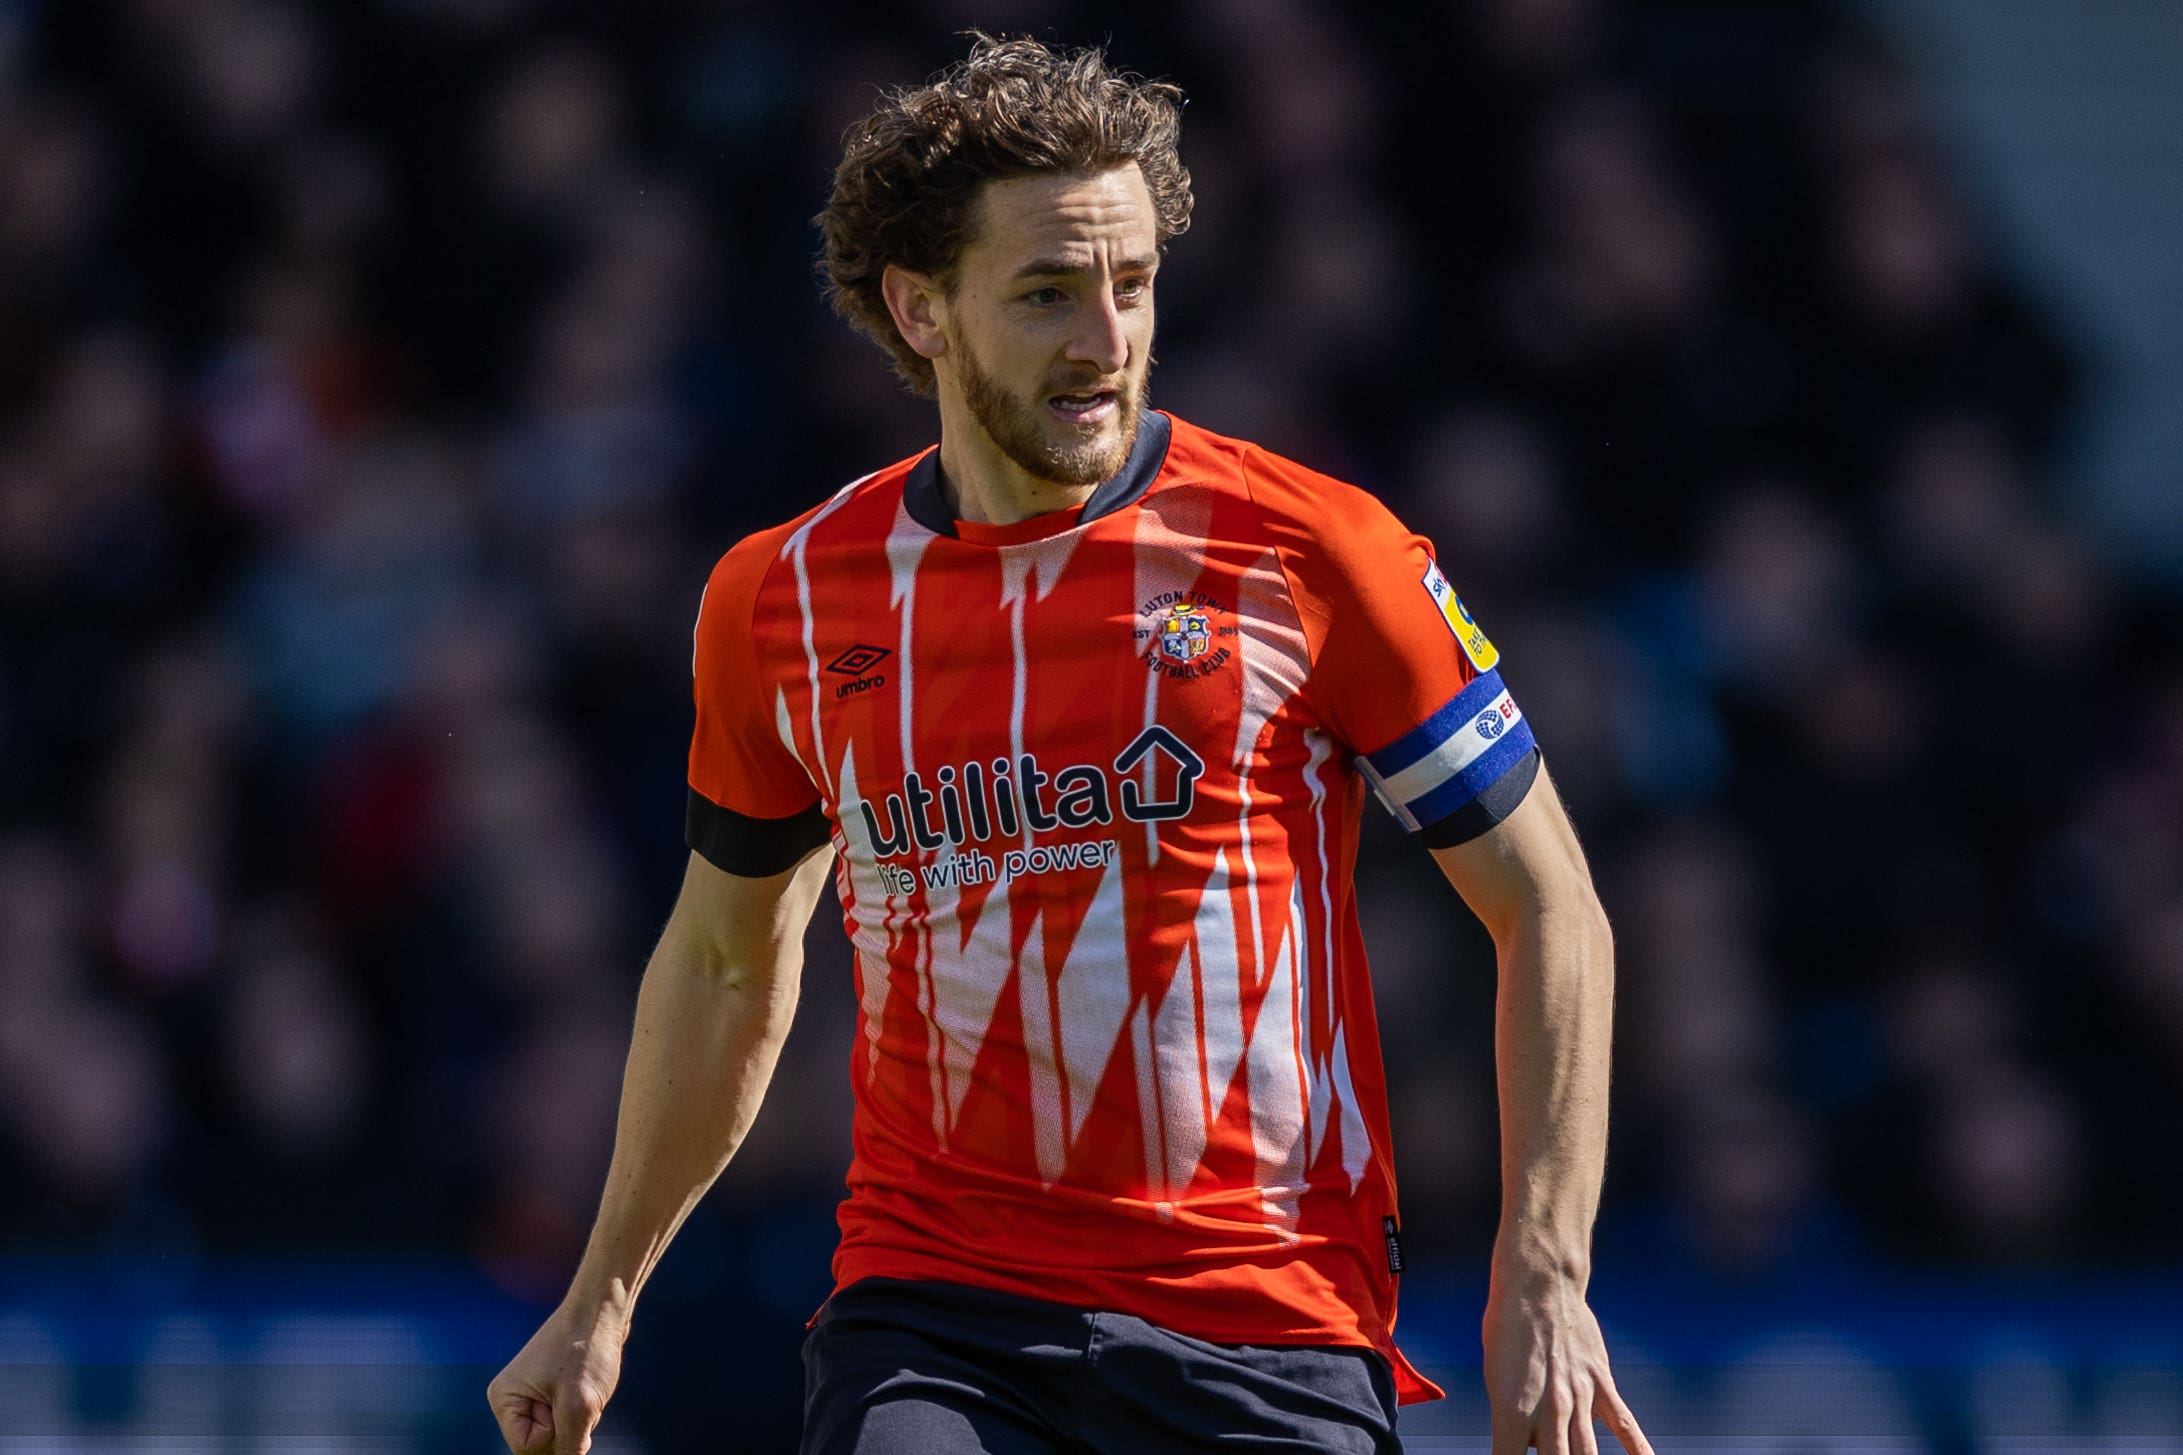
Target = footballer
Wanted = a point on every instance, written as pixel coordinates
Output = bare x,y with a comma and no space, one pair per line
1080,709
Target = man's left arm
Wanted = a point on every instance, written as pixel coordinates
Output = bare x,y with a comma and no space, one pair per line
1546,1368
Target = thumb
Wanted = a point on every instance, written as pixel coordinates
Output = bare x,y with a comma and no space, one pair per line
574,1415
527,1426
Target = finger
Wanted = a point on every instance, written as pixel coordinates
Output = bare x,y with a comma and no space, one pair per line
1582,1440
525,1423
1510,1437
1552,1433
1617,1417
573,1419
570,1439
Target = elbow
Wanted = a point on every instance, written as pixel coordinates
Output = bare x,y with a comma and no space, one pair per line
1602,931
722,963
1586,918
1579,906
756,975
1603,939
1566,912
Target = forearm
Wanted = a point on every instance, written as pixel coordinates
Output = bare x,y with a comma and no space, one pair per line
1546,1362
707,1036
1554,1023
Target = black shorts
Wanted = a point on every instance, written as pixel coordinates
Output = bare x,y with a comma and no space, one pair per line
915,1368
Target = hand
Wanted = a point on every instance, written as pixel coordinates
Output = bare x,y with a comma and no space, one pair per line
549,1398
1547,1377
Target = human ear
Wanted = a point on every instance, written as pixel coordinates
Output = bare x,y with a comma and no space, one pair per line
918,306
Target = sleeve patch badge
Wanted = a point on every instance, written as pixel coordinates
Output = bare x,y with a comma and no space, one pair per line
1481,652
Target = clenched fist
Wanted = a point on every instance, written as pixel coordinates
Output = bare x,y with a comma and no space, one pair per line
549,1398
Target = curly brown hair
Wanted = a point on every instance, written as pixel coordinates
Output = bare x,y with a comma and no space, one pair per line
911,173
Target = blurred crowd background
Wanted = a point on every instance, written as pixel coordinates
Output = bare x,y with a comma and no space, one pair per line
378,382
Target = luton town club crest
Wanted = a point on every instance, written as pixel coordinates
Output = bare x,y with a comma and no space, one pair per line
1182,634
1186,636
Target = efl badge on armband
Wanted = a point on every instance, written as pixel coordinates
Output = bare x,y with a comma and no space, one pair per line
1452,611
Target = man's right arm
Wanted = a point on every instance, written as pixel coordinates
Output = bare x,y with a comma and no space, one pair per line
712,1013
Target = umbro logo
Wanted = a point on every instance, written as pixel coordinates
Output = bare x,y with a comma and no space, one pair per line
856,662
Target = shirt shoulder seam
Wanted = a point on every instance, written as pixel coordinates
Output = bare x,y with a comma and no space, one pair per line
1246,461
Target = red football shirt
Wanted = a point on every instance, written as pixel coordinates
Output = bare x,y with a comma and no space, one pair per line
1094,780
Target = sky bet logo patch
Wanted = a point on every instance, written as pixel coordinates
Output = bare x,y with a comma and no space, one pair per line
1481,652
855,662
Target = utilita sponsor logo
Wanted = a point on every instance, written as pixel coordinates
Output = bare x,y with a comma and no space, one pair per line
979,800
854,663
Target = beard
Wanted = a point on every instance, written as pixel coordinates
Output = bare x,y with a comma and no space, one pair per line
1043,448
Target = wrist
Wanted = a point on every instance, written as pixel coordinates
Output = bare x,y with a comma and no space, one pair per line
595,1303
1528,1265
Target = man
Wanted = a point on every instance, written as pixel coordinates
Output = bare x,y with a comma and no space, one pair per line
1084,700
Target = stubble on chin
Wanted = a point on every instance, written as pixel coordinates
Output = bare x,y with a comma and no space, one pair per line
1018,428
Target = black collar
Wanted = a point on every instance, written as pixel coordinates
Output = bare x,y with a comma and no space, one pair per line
921,495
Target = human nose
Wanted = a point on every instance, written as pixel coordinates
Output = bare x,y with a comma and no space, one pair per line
1099,339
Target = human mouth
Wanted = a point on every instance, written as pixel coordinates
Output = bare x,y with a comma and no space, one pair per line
1089,406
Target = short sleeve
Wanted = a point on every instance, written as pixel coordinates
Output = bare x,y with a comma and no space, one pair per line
1401,671
752,808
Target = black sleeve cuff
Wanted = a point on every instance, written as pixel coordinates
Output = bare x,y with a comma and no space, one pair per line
755,848
1487,809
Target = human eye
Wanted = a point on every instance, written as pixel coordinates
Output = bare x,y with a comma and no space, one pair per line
1134,290
1044,297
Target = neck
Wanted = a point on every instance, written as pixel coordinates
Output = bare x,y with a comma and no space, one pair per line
981,484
